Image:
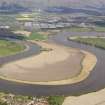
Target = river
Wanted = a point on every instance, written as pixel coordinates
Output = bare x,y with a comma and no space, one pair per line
94,82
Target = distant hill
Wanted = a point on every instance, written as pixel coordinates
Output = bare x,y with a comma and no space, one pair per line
66,3
95,7
72,10
12,8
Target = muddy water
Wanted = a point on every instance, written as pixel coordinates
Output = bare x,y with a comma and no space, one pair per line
94,82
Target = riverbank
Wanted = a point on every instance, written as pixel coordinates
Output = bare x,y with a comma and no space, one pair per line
90,40
51,67
95,98
22,32
9,48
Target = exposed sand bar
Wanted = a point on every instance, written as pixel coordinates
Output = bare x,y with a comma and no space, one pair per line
60,66
75,37
26,33
95,98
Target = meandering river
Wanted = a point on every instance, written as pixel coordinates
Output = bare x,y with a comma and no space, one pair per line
94,82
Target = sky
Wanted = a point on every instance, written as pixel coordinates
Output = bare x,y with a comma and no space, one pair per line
74,3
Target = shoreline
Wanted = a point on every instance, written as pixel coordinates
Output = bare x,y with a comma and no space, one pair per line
87,99
75,37
87,68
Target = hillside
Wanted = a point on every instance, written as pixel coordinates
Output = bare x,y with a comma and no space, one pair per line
72,3
12,8
74,10
94,7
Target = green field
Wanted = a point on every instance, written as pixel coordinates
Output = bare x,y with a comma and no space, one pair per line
83,29
79,29
97,42
8,48
99,29
56,100
38,37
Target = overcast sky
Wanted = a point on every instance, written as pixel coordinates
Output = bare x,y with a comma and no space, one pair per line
60,2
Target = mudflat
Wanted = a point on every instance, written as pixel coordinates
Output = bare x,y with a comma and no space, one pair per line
60,63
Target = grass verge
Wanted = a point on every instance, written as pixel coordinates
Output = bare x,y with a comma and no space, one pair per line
8,48
56,100
37,36
97,42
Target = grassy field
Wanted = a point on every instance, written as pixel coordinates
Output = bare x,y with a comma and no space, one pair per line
97,42
56,100
9,48
36,36
99,29
79,29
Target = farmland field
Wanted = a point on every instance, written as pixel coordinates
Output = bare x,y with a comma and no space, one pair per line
8,48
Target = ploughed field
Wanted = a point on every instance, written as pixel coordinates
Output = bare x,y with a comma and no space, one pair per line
9,48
